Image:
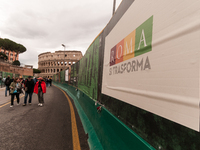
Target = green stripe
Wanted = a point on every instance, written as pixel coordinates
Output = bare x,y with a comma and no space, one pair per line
93,140
104,129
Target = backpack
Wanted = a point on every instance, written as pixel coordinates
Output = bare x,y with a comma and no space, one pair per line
7,82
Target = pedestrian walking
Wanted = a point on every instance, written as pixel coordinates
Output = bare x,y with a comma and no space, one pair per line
15,87
4,79
21,81
40,89
7,83
11,80
35,80
29,87
50,81
47,82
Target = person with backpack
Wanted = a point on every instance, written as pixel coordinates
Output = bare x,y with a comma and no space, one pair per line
7,83
29,87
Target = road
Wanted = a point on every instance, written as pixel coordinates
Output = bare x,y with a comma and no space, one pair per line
40,128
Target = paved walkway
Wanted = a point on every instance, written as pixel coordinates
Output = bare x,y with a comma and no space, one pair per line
4,99
55,126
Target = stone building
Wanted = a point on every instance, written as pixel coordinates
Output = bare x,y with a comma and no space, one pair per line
6,66
12,56
52,63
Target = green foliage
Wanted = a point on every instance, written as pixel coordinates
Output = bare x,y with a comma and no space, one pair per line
36,70
16,62
3,56
11,45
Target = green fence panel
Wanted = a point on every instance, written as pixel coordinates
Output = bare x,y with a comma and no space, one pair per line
5,74
111,132
62,76
89,69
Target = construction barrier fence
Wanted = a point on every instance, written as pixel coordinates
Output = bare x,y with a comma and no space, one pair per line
136,73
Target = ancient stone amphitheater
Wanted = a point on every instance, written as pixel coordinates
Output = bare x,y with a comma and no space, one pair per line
52,63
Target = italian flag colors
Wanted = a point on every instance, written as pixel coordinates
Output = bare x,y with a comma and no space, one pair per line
136,43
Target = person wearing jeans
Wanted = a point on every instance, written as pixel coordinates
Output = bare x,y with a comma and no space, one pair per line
7,89
30,98
28,86
15,87
40,89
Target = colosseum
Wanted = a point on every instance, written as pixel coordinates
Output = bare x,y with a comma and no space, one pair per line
52,63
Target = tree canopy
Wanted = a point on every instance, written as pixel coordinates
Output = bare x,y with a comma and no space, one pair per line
11,45
16,62
36,70
3,56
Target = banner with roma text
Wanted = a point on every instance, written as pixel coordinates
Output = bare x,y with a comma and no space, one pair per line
151,59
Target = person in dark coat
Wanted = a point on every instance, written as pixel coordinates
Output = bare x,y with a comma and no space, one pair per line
12,80
50,81
29,87
7,83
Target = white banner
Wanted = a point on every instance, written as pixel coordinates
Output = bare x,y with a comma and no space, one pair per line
66,75
151,59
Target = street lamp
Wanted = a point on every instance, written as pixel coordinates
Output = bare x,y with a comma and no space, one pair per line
64,55
114,3
63,46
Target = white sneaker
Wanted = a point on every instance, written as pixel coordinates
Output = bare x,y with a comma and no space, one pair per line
39,104
17,103
11,105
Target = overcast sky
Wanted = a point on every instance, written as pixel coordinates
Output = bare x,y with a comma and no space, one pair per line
43,25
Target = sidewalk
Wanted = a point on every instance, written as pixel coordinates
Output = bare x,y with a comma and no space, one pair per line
4,99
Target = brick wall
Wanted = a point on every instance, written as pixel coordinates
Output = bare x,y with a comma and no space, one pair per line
6,67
